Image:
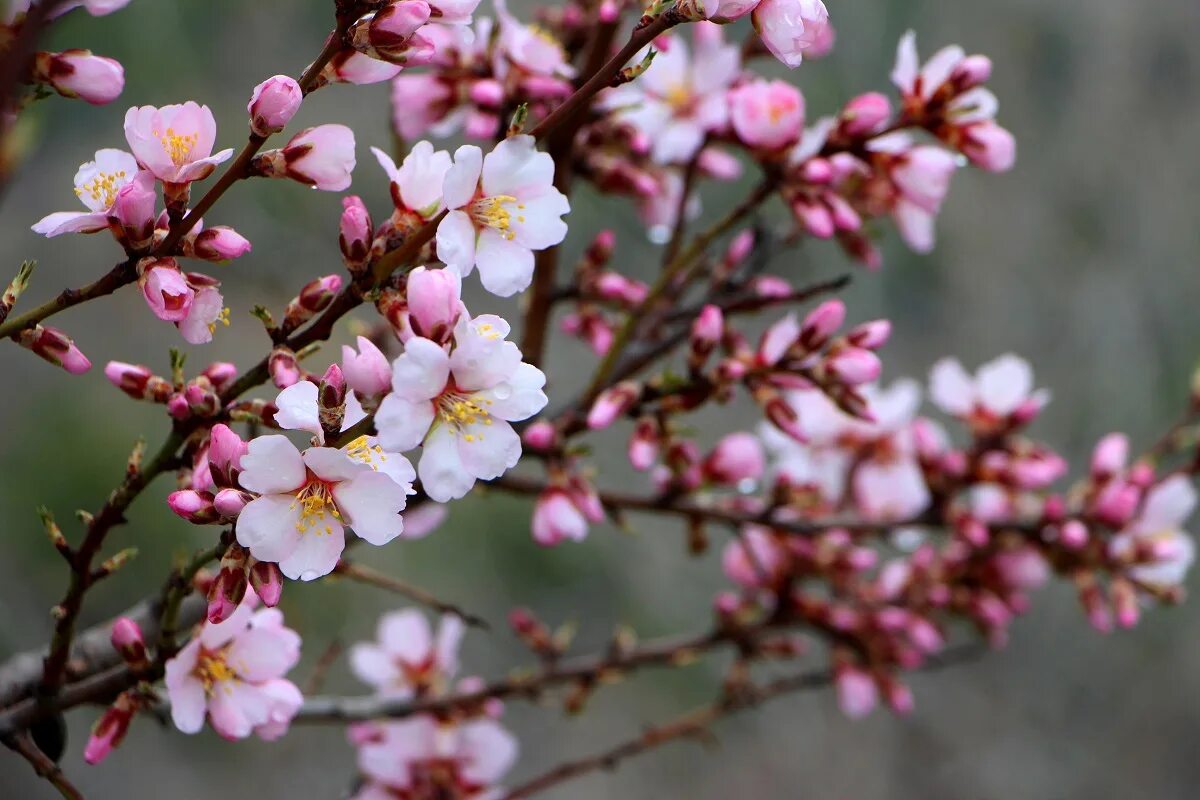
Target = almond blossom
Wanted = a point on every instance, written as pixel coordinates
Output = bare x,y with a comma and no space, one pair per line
458,405
1159,552
920,177
96,185
679,99
175,142
422,757
416,185
1001,391
406,657
502,208
233,673
306,500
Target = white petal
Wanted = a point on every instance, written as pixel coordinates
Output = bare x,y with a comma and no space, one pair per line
442,473
488,450
420,372
537,225
261,654
61,222
371,664
677,143
505,267
371,504
1168,505
515,167
462,179
316,552
519,397
904,74
405,635
330,464
951,388
450,634
188,705
488,750
298,408
456,242
403,424
272,464
267,526
1004,384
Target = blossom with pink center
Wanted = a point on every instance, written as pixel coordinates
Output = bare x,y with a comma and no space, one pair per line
530,47
206,311
306,500
367,370
1156,545
792,29
502,208
921,177
406,657
174,142
320,157
919,82
97,184
78,73
416,185
459,406
434,304
993,395
767,114
233,672
680,98
424,757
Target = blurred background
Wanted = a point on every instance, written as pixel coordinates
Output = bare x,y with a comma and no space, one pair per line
1081,259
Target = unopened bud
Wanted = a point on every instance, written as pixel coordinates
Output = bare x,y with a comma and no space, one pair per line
314,298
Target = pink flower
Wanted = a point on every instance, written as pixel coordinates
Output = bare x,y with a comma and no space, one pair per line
417,184
307,499
434,306
273,103
1160,551
424,104
754,559
97,184
320,157
679,99
350,66
997,391
134,210
78,73
367,371
459,406
174,142
166,290
737,457
406,657
857,694
792,28
890,489
233,672
387,34
556,519
767,114
530,48
918,82
921,177
502,208
468,758
206,310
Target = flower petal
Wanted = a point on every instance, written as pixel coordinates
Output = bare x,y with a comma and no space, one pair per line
456,242
443,474
298,408
402,423
462,179
272,464
371,504
505,267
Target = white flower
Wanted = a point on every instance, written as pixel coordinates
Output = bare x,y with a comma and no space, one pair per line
1159,529
96,185
417,182
997,390
502,208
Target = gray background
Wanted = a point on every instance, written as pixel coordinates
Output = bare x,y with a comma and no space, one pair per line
1081,258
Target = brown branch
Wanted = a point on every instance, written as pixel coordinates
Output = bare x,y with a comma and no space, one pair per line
23,745
371,577
696,723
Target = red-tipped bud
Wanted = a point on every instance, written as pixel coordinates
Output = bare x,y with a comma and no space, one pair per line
56,347
267,582
109,731
273,104
220,243
821,323
196,507
737,457
865,114
611,404
314,298
284,369
1110,455
854,366
128,642
355,232
540,436
870,335
644,445
202,401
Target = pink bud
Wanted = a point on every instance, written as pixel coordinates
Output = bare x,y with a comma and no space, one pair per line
230,502
177,407
331,392
196,507
320,157
481,124
617,287
56,347
857,694
201,400
870,335
134,210
127,640
610,11
367,371
267,582
854,366
132,379
766,115
898,697
971,72
540,436
821,323
719,164
989,146
109,731
387,34
434,303
777,340
1125,604
78,73
815,218
314,298
1110,455
611,404
273,104
219,244
708,328
1073,535
487,92
284,369
225,594
817,171
737,457
1116,503
865,115
165,289
772,286
556,519
221,374
355,232
643,446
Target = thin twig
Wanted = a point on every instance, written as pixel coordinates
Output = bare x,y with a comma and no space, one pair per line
23,745
371,577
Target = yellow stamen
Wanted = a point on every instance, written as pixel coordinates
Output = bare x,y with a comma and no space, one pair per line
103,188
491,213
177,147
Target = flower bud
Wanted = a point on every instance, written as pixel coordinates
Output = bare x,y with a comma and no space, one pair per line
865,115
821,323
1073,534
273,104
737,457
220,243
643,445
320,157
777,340
857,694
284,369
434,303
78,73
487,92
230,502
331,399
128,642
367,371
387,34
56,347
109,731
196,507
707,329
556,519
1116,503
202,401
355,232
989,146
225,451
267,582
314,298
165,288
225,594
177,407
971,72
854,366
870,335
611,404
540,436
134,210
132,379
